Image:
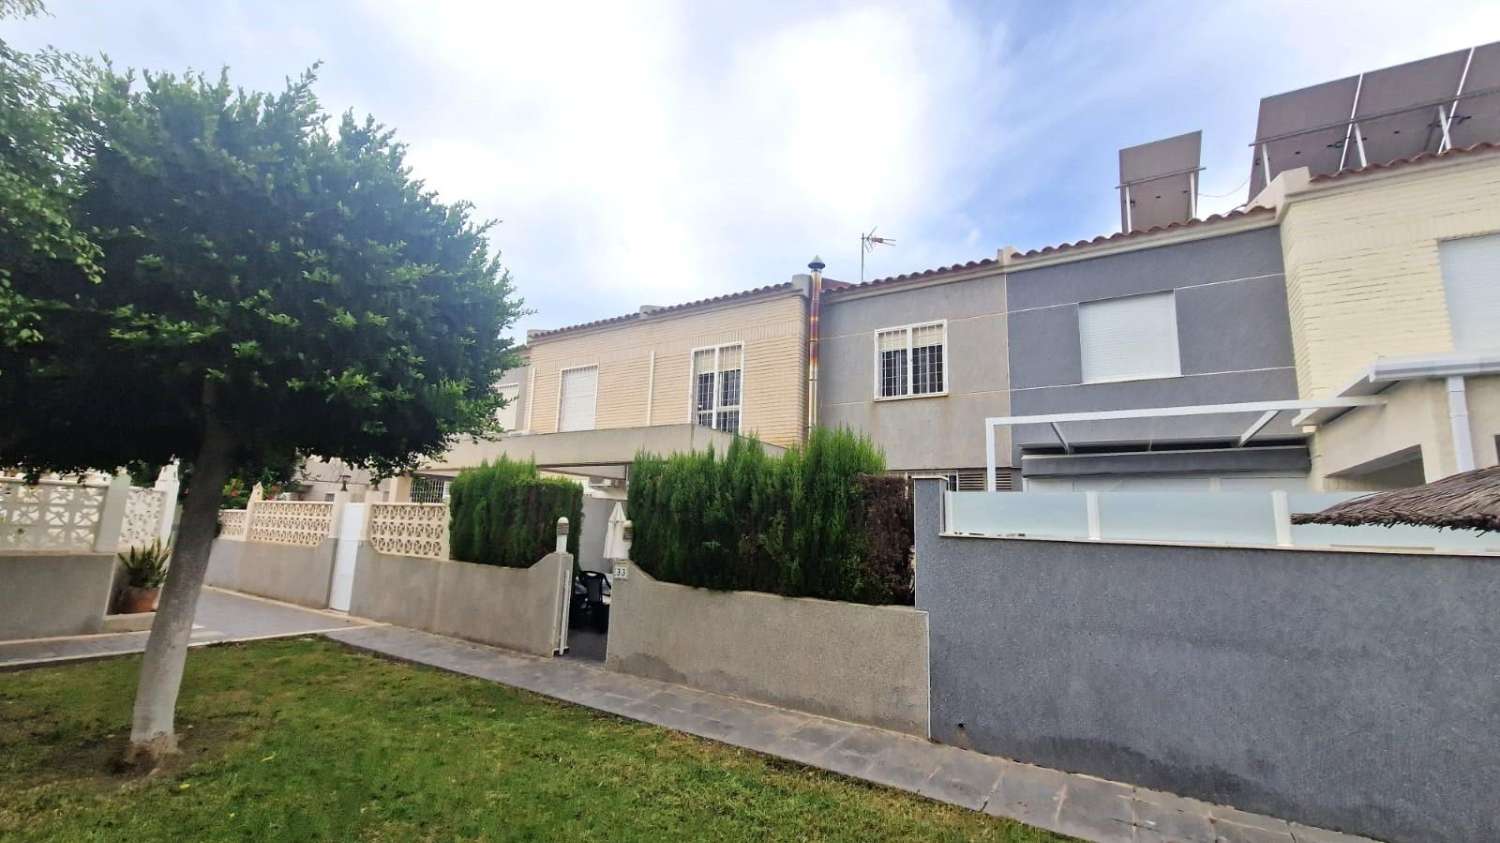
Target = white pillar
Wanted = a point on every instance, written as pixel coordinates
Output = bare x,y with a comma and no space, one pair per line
168,484
256,495
1281,511
340,499
562,535
112,514
1458,423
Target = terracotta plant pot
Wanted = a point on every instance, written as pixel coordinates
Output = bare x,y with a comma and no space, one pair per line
137,600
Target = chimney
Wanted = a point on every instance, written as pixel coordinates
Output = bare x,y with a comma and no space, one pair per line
814,311
647,309
1159,182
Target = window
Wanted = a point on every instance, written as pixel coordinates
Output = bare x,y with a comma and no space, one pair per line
507,415
718,382
909,361
575,406
1129,338
1471,279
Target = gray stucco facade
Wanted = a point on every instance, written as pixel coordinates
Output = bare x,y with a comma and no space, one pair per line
1352,691
928,432
1233,337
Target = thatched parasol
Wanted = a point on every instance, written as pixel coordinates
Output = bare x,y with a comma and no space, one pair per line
1467,501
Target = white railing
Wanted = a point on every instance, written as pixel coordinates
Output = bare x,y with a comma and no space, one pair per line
55,515
143,517
409,529
1230,518
304,523
51,515
232,523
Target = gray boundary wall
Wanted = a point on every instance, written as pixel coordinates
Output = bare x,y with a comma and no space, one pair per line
293,573
867,664
516,608
1354,691
44,595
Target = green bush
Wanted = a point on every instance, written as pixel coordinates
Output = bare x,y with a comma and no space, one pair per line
793,525
505,513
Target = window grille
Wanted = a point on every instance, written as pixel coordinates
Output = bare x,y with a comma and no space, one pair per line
911,360
718,387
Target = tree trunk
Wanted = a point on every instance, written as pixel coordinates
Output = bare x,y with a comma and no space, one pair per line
152,734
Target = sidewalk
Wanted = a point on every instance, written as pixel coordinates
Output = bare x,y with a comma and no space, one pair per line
1082,806
221,616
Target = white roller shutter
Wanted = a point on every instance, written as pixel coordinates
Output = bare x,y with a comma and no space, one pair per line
576,408
1471,277
1132,337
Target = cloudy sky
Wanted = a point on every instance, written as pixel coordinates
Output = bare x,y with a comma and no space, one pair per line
652,153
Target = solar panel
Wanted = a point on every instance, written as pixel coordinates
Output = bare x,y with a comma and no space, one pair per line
1478,117
1159,182
1388,131
1399,112
1281,134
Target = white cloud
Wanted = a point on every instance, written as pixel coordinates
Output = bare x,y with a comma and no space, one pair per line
663,150
634,162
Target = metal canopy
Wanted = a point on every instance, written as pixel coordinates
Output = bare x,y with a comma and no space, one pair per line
1265,412
1430,105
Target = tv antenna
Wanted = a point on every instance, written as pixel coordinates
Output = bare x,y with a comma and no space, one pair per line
867,244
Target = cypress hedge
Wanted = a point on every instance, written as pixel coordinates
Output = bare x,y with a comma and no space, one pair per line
798,525
505,513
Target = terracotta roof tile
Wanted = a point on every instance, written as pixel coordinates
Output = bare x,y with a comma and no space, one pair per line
913,276
1051,250
1419,158
630,317
1119,236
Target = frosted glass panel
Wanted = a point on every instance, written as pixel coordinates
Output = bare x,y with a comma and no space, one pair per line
1223,517
1061,515
1231,518
1321,535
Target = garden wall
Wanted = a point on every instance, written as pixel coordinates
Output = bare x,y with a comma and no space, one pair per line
851,661
50,594
1354,691
517,608
298,574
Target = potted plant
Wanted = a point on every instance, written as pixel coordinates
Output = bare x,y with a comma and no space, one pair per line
145,571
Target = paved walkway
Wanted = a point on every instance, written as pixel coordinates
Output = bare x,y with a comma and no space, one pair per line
1082,806
221,616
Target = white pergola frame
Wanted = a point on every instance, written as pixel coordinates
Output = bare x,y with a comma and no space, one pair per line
1268,411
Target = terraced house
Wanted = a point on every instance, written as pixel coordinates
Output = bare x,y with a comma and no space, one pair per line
1334,331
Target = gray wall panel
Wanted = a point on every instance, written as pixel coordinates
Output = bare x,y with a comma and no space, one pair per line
1242,255
1355,691
945,431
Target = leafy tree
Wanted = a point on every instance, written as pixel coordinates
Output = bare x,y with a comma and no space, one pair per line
269,289
39,168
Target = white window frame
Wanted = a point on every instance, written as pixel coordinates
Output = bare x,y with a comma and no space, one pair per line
910,361
693,385
557,424
500,387
1176,340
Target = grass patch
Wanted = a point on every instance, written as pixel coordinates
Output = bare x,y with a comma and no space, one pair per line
304,740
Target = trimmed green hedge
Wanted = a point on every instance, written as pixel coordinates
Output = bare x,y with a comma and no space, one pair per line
506,514
794,525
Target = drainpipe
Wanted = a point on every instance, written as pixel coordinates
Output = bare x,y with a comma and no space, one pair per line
1458,423
814,308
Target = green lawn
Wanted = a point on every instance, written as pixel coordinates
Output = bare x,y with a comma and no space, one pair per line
304,740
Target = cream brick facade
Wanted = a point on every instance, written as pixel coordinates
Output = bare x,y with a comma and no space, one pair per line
1361,256
1363,282
772,328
